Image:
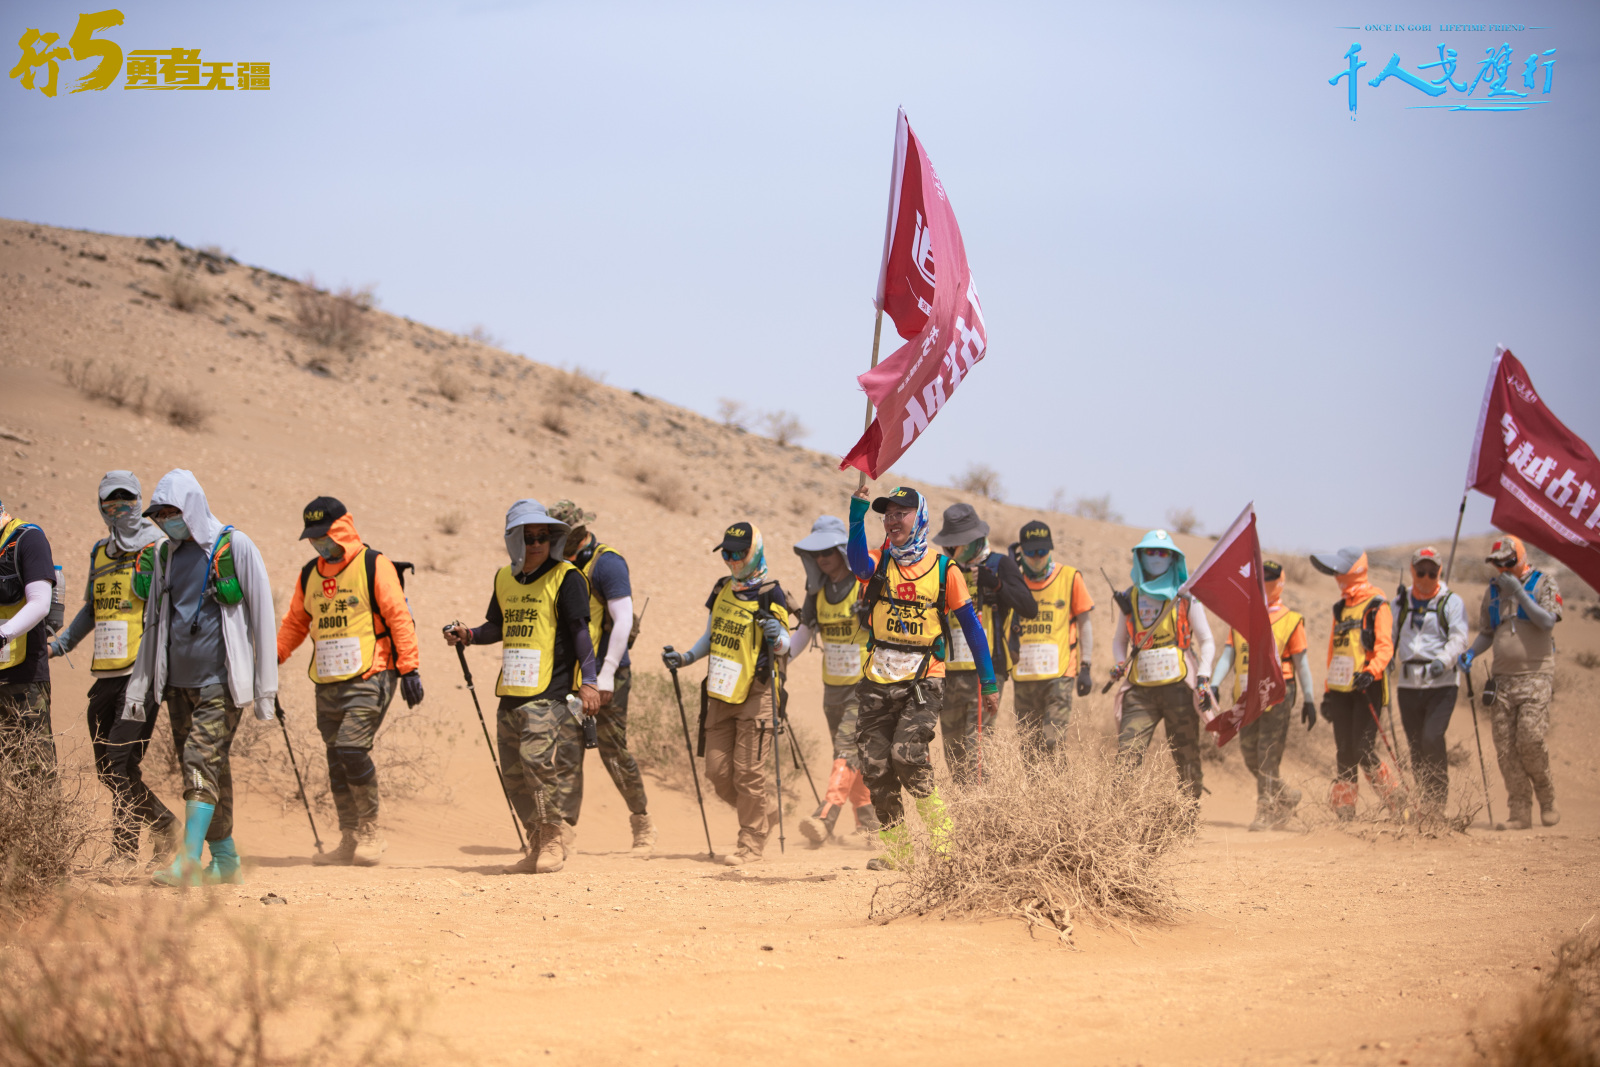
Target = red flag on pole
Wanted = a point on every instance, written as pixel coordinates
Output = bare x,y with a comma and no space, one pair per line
1229,582
1544,479
936,310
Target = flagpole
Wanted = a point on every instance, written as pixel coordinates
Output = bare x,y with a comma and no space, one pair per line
1459,516
877,333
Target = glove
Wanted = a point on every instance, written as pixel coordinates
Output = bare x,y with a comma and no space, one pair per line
675,660
57,648
1084,684
773,629
1308,714
1509,586
1466,659
988,580
1204,688
411,688
1436,668
1363,680
1327,713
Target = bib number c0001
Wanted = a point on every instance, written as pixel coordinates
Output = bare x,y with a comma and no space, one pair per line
722,677
110,639
1043,658
841,660
336,656
1160,665
1342,671
519,667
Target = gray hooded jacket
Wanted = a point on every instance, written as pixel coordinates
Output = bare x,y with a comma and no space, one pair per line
249,632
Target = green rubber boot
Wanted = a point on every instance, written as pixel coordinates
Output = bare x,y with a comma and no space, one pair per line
224,866
937,820
186,869
896,841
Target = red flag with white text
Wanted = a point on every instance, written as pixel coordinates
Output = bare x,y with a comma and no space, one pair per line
926,288
1229,582
1544,479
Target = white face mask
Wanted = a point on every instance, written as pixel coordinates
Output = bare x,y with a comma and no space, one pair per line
1155,566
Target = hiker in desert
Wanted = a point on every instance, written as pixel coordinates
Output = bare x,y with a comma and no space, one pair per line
1053,645
1430,634
27,586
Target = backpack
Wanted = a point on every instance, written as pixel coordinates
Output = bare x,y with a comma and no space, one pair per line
372,586
876,590
11,585
766,596
1369,623
223,575
1403,599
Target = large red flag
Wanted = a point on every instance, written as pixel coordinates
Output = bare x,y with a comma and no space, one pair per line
1544,479
1229,582
936,310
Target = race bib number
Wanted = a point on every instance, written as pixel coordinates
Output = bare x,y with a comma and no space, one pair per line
893,665
1342,671
519,667
722,677
1043,660
1160,665
841,661
337,656
111,640
960,651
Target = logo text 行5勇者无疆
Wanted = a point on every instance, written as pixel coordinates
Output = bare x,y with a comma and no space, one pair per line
146,68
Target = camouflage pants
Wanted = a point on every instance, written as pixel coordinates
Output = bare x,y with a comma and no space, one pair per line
1144,707
958,721
843,712
25,709
529,736
894,733
1044,710
349,714
611,728
1262,743
204,721
736,767
1519,719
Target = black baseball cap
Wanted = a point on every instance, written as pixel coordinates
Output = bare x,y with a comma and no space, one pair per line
1271,570
737,538
901,497
1035,537
320,515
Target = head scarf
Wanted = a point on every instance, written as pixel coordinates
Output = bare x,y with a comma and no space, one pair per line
917,544
1164,586
753,571
1521,567
132,531
181,489
1353,583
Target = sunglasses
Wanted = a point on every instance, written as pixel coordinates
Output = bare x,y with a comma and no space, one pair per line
536,537
1428,570
729,555
1032,553
1158,553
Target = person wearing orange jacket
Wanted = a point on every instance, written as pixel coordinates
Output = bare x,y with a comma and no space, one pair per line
350,599
1357,686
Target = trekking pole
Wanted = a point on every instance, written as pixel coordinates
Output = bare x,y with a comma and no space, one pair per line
777,766
300,782
1483,769
466,672
800,758
693,770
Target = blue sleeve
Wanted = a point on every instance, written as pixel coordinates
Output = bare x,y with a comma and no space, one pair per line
610,576
972,630
856,549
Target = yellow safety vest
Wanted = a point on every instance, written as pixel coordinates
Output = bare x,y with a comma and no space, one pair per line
905,623
343,638
118,612
597,606
1049,641
844,639
528,631
1162,660
1349,651
1282,629
17,647
735,646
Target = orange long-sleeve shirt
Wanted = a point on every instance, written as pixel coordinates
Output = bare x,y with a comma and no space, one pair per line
389,597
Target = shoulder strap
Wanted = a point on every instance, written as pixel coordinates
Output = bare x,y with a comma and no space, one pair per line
875,584
305,574
1369,624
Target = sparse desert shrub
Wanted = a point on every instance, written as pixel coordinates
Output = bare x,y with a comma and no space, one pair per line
573,469
661,487
1587,660
982,479
573,385
1076,836
1057,501
185,292
450,523
554,419
1296,567
1096,507
46,822
731,413
333,320
1182,520
480,333
1559,1025
448,384
183,984
183,407
784,427
117,384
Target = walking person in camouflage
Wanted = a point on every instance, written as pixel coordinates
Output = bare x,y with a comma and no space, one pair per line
611,633
208,650
1053,646
999,594
113,612
539,614
1517,618
910,598
363,643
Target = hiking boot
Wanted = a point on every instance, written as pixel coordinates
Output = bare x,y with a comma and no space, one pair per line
342,856
164,835
369,844
880,863
569,839
818,828
644,834
867,819
528,864
1520,817
552,852
1264,815
741,858
1548,813
122,866
1288,797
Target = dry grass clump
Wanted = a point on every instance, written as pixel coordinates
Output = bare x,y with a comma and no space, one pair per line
1406,817
185,292
450,385
46,822
1182,520
184,408
981,479
1559,1025
554,419
663,488
450,523
573,385
1097,508
177,984
784,427
1587,660
1052,840
731,413
121,386
333,320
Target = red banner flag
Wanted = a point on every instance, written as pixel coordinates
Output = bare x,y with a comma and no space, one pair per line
1544,479
936,310
1229,582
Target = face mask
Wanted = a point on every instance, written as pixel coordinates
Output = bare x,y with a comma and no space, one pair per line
175,528
119,513
328,548
1155,566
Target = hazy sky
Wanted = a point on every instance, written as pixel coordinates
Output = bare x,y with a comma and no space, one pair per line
1203,282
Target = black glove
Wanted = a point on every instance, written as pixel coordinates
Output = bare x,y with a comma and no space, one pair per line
1327,712
1084,685
1204,685
988,580
675,660
1308,714
1363,680
411,688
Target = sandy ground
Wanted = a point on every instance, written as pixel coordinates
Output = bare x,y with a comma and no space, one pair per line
1309,946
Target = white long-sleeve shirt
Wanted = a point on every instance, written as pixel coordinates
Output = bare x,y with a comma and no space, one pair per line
1415,646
